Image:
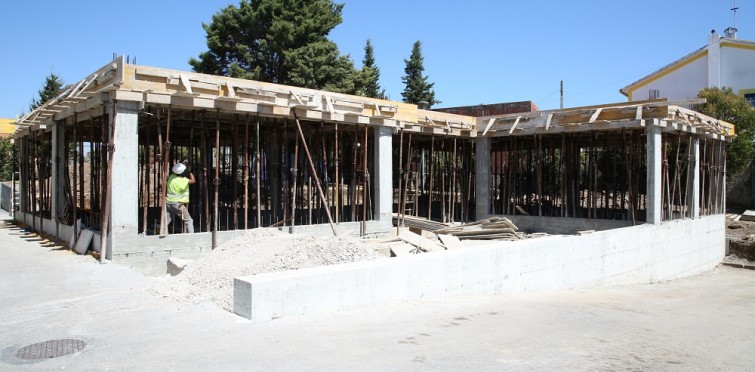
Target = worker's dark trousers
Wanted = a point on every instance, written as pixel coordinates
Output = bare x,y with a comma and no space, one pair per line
181,210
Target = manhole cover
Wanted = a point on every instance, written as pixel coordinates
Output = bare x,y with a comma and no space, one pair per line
50,349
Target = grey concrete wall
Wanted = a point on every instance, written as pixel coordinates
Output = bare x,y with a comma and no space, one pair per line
149,254
638,254
562,225
6,196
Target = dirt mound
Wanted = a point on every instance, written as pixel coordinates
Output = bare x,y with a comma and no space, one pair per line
257,251
741,237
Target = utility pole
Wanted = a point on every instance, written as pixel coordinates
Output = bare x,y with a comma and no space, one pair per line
562,94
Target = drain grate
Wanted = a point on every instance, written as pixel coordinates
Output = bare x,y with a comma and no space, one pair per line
51,349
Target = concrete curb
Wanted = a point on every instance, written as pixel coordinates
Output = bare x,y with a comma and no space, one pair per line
739,265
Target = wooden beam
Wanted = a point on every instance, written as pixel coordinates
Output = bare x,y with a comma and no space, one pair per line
487,127
516,122
595,115
231,90
185,83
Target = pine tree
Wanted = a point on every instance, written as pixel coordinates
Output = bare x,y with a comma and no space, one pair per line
724,105
278,41
53,86
370,74
416,88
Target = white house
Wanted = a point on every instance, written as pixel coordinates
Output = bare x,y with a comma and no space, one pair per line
724,62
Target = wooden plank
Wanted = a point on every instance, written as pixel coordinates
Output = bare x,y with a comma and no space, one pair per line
450,241
419,241
503,236
480,231
403,249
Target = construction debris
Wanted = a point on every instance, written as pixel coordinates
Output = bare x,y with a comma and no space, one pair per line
437,237
490,228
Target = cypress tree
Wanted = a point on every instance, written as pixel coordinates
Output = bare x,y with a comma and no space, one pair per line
417,89
52,87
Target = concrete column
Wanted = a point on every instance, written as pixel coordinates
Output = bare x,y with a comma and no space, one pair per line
654,161
383,176
23,172
482,177
722,161
124,209
693,179
58,171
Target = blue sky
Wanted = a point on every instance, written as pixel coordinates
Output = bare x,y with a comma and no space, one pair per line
475,51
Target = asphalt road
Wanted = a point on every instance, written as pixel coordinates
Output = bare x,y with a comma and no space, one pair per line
701,323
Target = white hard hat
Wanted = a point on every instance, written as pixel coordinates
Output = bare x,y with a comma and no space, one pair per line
179,168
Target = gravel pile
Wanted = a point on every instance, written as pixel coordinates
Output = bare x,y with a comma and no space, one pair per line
258,251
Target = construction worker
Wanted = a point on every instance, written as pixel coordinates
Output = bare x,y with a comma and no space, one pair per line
177,198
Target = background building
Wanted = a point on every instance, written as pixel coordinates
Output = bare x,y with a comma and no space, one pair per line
7,127
723,62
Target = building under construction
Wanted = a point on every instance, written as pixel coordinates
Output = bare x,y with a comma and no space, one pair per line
94,161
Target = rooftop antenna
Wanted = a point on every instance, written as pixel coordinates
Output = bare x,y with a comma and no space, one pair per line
734,10
731,32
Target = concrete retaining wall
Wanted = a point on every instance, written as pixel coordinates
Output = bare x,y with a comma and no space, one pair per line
637,254
149,254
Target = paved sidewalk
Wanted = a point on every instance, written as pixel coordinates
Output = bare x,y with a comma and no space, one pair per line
703,323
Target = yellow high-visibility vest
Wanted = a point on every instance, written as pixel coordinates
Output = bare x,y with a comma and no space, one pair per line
178,189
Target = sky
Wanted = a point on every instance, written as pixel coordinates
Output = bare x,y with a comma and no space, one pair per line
475,51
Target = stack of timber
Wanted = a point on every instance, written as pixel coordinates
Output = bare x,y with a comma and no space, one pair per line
439,237
748,215
418,223
499,228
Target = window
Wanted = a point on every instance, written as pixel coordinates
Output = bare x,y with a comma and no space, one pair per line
750,98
